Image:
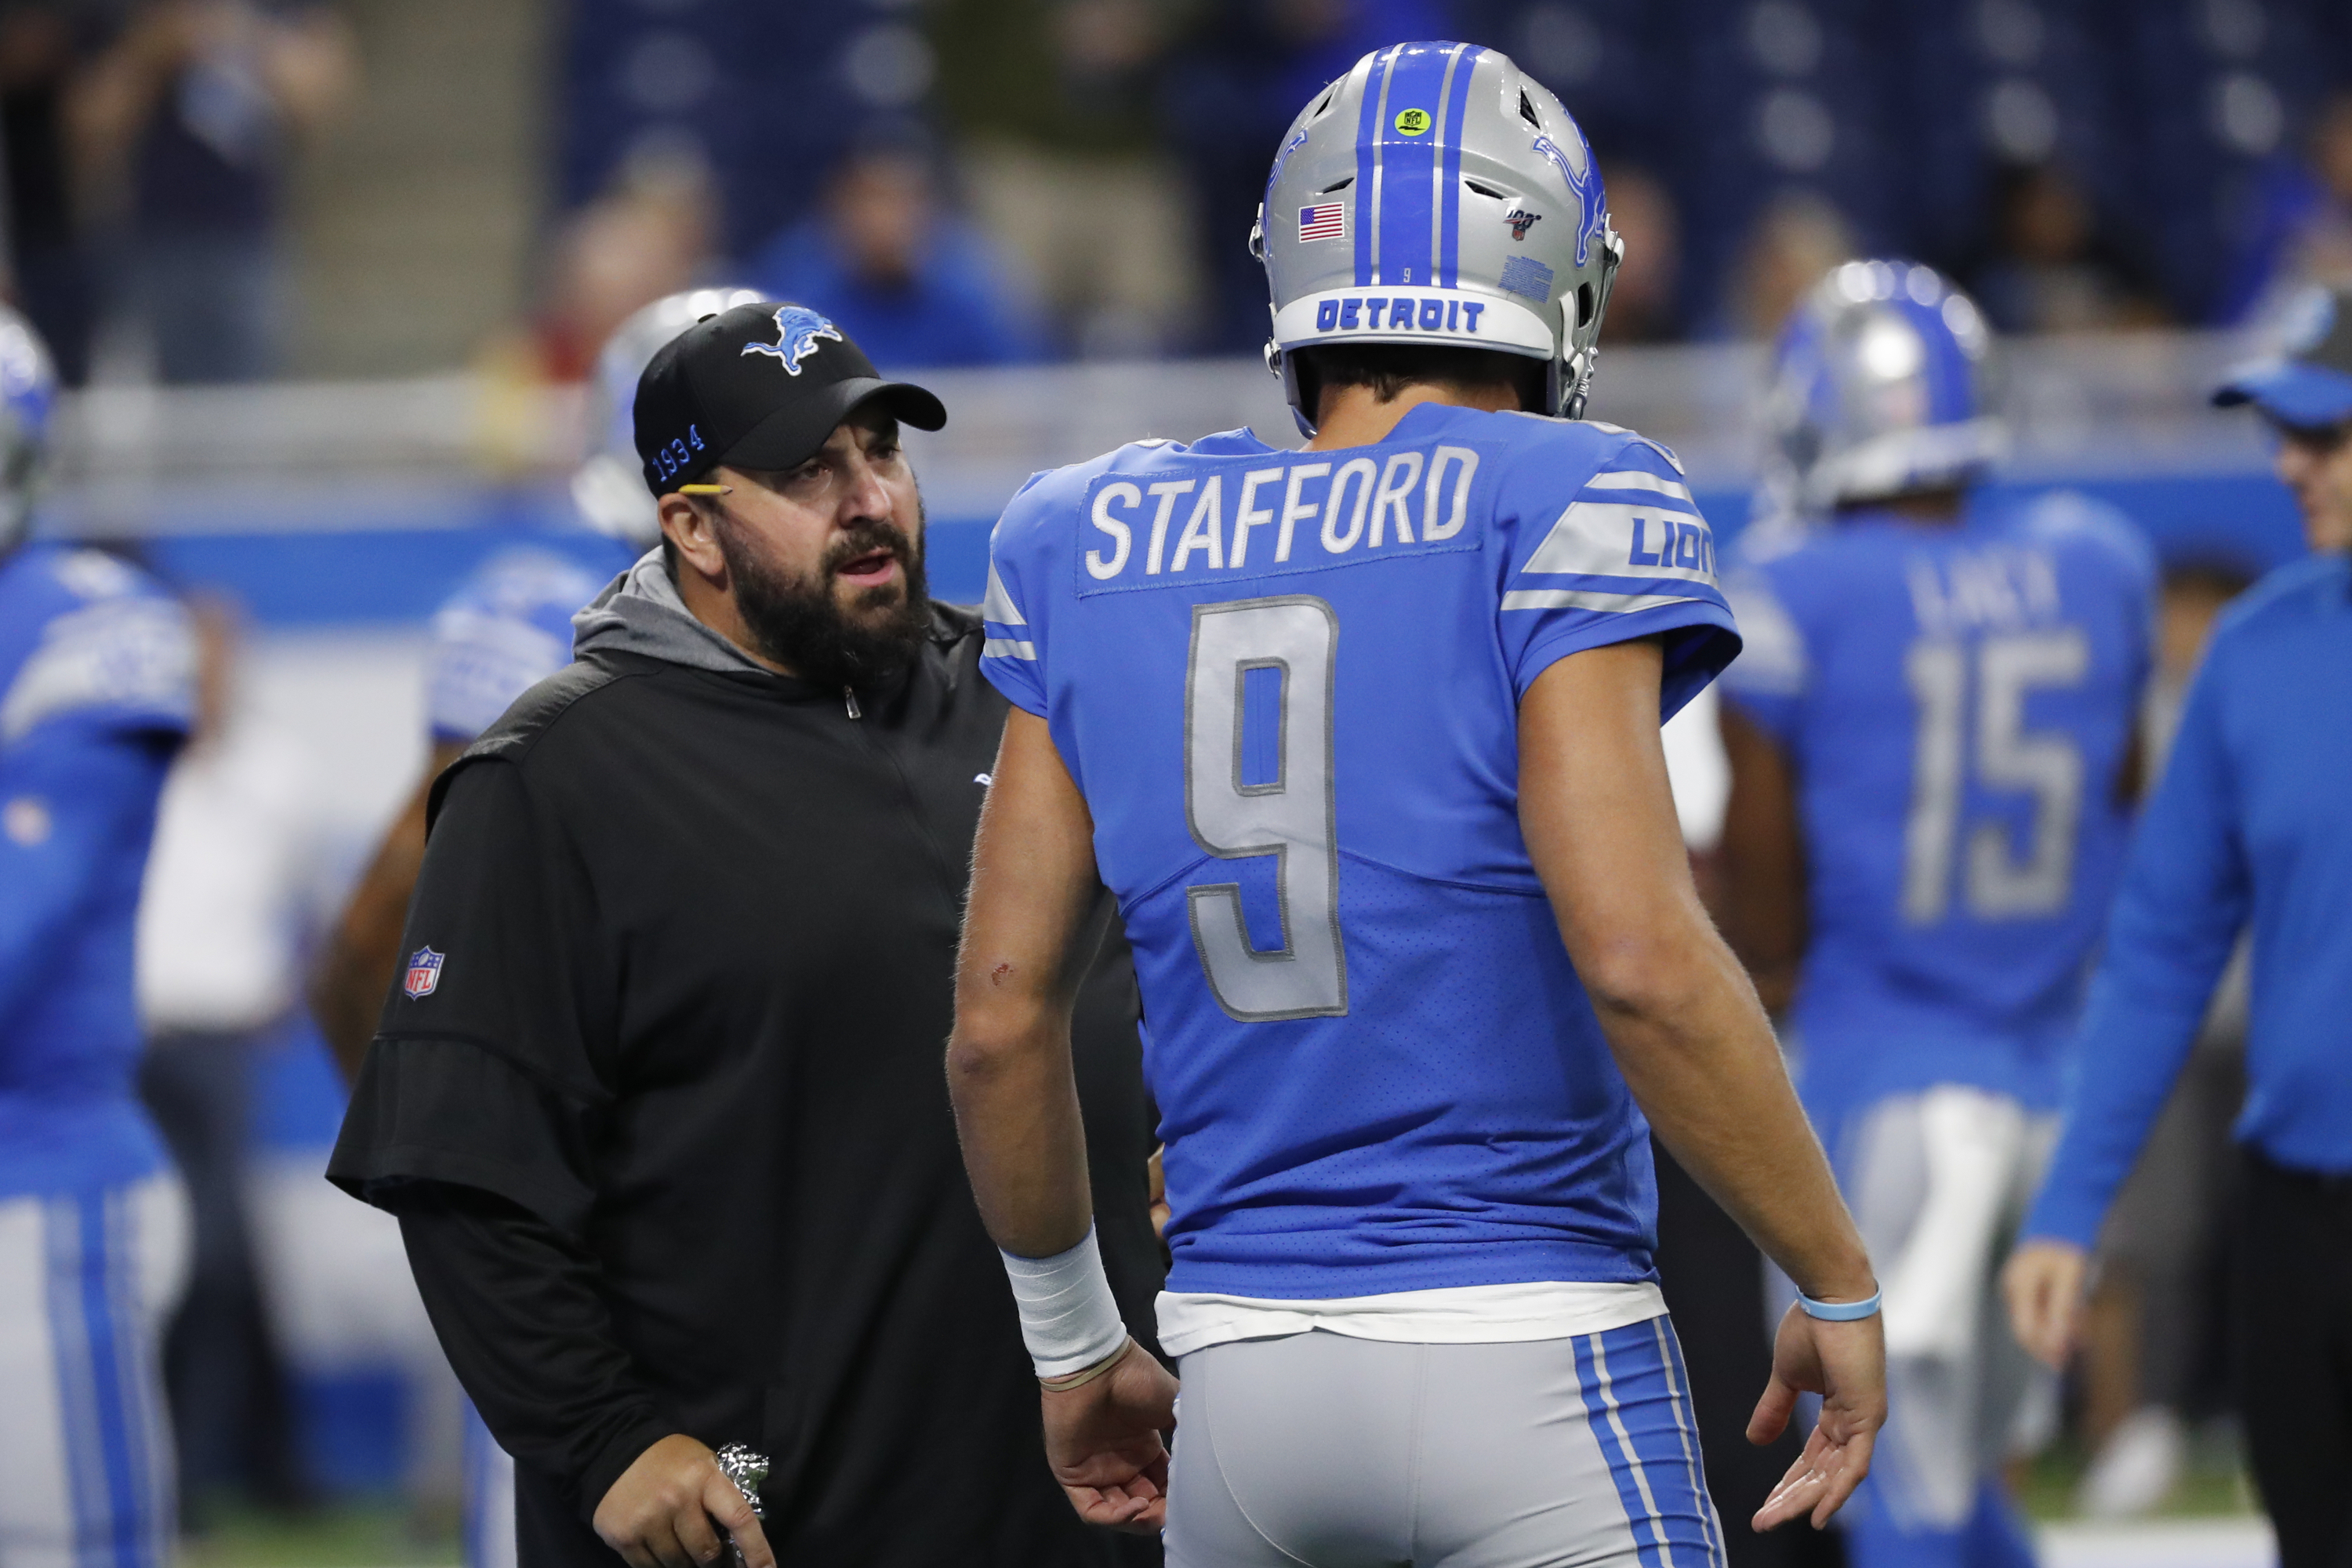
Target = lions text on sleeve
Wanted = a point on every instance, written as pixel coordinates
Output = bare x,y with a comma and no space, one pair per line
1288,683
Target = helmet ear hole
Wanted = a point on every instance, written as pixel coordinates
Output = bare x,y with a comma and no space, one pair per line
1584,305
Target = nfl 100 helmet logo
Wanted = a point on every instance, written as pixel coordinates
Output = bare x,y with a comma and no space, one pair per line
424,973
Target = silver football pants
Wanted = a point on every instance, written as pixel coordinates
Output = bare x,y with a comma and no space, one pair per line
1325,1451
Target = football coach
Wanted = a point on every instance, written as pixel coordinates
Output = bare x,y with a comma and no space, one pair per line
2250,828
657,1099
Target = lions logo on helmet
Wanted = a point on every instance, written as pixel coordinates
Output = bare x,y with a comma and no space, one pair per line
1442,152
798,328
1584,186
1878,390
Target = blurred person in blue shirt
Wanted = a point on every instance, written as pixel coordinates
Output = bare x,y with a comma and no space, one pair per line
96,696
507,628
914,284
2296,226
2249,826
1930,734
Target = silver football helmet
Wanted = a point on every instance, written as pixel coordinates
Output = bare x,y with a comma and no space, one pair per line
1880,386
1438,194
609,488
28,395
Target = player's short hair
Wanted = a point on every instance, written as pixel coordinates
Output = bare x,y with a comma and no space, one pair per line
1389,368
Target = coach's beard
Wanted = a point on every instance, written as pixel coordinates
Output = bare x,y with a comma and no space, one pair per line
803,623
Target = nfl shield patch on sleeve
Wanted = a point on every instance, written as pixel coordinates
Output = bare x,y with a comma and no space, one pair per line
424,973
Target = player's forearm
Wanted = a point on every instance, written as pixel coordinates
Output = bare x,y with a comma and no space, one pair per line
1025,942
1702,1063
352,974
1016,1107
1761,881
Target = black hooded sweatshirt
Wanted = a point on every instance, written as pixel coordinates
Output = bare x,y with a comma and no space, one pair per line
663,1112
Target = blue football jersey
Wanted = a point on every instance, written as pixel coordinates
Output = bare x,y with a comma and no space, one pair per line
1957,703
508,627
97,689
1289,683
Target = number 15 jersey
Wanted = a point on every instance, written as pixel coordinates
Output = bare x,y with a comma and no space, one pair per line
1287,685
1956,702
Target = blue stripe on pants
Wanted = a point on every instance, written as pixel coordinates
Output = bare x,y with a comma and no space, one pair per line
1635,1404
93,1323
1670,1348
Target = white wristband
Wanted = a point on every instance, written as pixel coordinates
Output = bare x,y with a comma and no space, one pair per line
1069,1317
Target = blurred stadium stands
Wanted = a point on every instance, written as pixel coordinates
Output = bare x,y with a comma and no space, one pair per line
2181,118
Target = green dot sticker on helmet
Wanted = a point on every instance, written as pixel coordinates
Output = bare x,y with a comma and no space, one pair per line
1412,121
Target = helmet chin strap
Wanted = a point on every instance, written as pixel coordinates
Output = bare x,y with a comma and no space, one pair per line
1572,373
1285,366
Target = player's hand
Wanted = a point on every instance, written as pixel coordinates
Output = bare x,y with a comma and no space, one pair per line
659,1513
2043,1283
1102,1439
1845,1363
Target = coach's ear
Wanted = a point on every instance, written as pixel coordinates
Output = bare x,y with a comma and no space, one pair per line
689,526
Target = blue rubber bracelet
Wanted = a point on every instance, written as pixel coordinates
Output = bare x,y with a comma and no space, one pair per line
1841,1312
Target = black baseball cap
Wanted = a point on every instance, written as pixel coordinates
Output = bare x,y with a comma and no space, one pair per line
2309,387
759,386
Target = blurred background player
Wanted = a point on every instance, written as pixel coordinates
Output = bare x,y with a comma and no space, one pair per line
1931,743
97,670
2248,829
505,630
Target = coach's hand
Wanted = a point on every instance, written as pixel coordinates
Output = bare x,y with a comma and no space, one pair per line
2043,1282
1103,1441
1845,1363
659,1513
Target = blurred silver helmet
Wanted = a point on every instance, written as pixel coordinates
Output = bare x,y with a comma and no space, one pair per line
609,488
29,396
1437,194
1880,384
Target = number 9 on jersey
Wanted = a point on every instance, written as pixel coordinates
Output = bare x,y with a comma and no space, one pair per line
1288,643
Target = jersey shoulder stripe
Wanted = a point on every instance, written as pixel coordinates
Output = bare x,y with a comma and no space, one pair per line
1631,538
999,612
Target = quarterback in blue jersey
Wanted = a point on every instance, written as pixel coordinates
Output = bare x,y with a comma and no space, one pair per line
1931,734
1364,737
507,629
96,692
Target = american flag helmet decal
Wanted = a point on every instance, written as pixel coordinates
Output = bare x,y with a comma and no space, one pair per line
1328,221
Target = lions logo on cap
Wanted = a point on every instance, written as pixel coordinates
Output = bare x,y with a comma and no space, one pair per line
798,328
